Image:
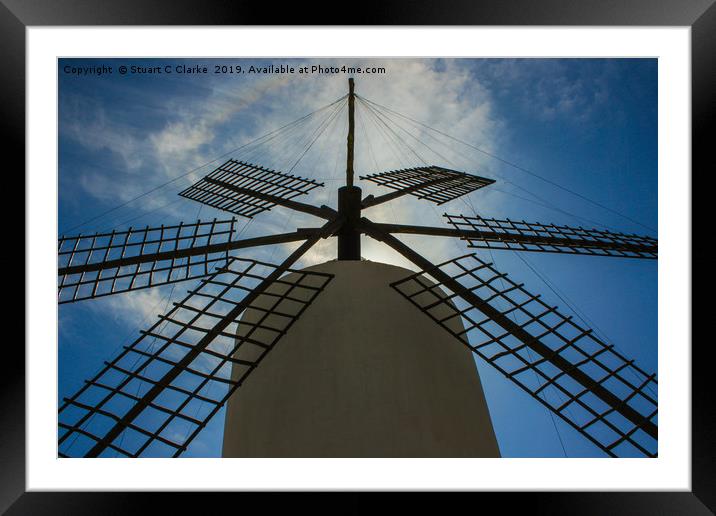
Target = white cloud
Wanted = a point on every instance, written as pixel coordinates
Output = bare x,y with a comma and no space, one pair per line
139,308
442,94
178,144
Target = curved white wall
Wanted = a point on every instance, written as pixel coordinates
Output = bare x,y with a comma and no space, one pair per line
362,373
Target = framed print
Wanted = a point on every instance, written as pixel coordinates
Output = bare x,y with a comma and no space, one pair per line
420,258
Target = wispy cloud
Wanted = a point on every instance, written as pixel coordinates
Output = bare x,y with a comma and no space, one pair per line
195,129
224,115
548,89
139,308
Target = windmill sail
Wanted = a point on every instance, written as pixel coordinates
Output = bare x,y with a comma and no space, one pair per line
583,380
156,396
119,261
212,190
493,233
432,183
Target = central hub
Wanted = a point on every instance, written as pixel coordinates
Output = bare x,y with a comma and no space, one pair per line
349,206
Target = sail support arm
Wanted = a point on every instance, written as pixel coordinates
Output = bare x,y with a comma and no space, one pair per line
324,211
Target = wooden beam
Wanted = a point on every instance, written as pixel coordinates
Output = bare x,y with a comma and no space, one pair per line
323,212
282,238
493,236
371,200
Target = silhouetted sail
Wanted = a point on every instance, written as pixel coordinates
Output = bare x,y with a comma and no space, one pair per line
564,366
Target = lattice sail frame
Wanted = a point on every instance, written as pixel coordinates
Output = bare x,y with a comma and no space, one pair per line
104,252
575,404
432,183
169,422
250,177
535,236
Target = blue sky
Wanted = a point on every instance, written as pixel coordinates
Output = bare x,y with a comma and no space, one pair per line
589,125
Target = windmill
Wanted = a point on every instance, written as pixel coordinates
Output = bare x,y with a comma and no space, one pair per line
170,375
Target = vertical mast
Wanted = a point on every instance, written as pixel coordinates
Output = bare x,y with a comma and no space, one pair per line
349,196
351,127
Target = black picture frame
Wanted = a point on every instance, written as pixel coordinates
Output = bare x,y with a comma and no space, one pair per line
700,15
